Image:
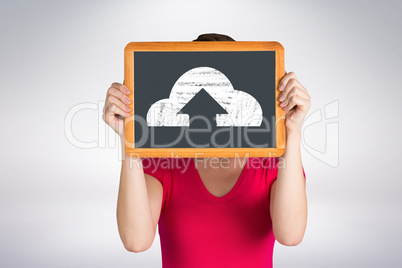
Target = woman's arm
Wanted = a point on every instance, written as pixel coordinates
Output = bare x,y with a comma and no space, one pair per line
138,205
140,195
288,192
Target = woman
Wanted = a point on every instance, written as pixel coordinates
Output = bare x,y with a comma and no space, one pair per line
214,212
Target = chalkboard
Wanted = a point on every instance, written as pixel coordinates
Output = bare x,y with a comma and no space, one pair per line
203,99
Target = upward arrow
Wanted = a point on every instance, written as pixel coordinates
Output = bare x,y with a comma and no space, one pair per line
202,104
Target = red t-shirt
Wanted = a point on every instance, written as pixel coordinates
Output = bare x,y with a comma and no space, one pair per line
198,229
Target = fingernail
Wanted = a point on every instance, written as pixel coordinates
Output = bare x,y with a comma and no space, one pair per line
282,104
127,100
127,90
281,97
280,87
128,114
284,108
127,108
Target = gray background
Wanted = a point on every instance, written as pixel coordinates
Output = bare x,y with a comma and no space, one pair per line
57,201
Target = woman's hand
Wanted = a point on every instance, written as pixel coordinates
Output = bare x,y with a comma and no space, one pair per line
294,100
116,106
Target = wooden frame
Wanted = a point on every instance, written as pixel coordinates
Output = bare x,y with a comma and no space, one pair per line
205,46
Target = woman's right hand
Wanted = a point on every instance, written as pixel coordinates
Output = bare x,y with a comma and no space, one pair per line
116,107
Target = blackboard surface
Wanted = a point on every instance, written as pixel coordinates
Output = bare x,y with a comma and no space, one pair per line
155,74
204,99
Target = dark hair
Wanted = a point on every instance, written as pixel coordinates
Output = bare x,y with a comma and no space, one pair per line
214,37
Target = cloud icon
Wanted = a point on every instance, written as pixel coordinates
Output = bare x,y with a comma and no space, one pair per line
242,108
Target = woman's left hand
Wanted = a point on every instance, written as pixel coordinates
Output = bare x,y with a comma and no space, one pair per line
294,100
